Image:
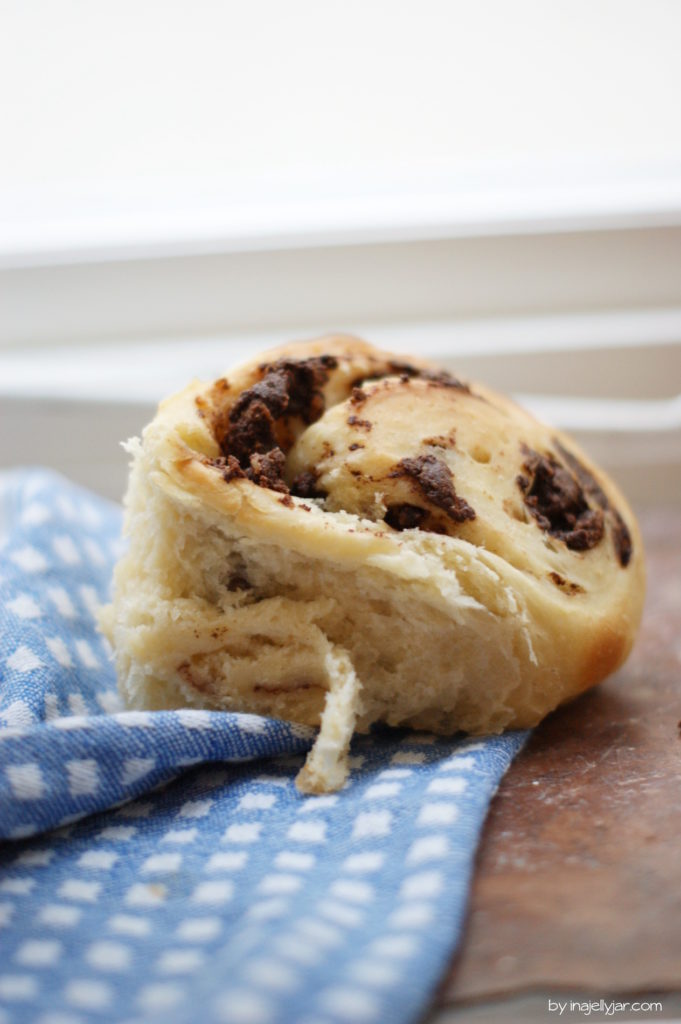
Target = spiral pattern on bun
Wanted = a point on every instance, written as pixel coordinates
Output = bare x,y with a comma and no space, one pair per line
337,536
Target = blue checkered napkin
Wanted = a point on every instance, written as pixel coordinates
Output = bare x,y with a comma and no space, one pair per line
187,879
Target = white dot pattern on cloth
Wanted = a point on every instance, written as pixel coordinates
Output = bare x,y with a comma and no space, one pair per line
223,887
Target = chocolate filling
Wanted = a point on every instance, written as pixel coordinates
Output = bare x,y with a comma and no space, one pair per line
253,439
441,441
434,480
253,416
566,585
305,486
621,538
287,388
557,501
253,447
268,470
264,470
360,424
620,532
406,371
250,446
405,517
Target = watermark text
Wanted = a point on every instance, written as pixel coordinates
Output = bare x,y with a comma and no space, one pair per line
608,1007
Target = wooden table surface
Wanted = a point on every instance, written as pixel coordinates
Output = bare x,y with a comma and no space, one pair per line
578,880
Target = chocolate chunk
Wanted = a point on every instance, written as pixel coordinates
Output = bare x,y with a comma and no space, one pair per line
355,421
253,415
271,391
355,446
288,388
305,486
441,441
435,482
442,377
267,470
566,585
405,517
407,372
306,378
620,532
558,503
621,538
231,470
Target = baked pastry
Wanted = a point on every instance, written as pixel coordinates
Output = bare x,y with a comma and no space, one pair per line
336,536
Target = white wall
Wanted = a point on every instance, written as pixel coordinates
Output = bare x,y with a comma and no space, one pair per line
121,119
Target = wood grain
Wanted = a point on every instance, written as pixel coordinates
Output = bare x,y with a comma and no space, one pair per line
578,880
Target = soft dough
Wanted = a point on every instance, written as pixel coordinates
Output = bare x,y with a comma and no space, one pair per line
336,536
